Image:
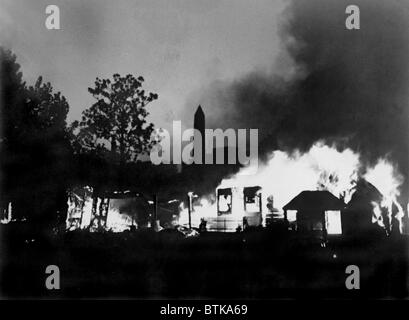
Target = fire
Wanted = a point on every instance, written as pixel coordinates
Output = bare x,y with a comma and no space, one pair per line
205,209
386,178
323,167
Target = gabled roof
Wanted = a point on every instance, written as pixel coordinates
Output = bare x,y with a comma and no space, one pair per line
315,200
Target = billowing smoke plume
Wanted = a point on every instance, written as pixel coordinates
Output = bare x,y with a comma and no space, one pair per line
349,87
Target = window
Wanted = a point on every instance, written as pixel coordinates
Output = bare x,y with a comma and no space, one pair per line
252,199
333,222
224,201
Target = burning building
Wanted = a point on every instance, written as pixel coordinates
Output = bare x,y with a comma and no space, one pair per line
115,211
118,210
315,212
234,209
369,212
238,207
334,178
85,211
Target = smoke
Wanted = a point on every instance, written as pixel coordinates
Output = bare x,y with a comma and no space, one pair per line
345,87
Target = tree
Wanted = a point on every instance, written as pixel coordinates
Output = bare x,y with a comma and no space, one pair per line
117,118
46,110
46,141
114,129
11,107
34,146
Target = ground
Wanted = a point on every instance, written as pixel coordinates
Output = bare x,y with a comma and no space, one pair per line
255,264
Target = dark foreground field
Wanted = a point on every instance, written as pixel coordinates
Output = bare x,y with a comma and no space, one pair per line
259,264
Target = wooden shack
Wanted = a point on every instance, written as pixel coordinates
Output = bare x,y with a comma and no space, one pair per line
318,213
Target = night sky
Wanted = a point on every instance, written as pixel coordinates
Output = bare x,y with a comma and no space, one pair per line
178,46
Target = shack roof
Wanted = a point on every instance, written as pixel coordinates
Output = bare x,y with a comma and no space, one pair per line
315,200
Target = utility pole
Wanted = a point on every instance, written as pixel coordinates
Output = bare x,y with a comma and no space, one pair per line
155,211
189,207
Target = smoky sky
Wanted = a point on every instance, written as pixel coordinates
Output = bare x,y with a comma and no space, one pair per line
315,81
177,46
348,87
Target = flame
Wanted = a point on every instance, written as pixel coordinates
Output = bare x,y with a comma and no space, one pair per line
205,209
323,167
385,177
282,178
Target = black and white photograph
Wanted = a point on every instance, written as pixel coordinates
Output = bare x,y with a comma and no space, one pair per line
205,150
